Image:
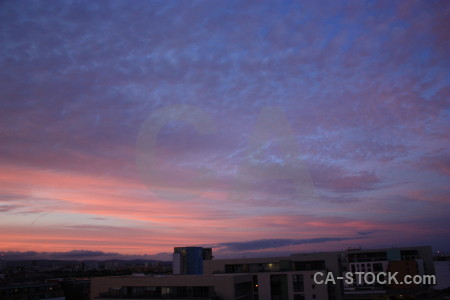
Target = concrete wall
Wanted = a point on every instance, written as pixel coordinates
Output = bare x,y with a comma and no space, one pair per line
442,274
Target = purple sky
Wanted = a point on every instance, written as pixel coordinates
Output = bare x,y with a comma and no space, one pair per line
255,127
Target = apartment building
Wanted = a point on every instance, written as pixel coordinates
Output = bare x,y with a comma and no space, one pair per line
286,278
274,278
404,260
189,260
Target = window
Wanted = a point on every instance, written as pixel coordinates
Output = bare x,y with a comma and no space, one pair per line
377,267
234,268
309,265
297,283
255,284
279,286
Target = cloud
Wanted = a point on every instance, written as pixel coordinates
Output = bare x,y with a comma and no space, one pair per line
277,243
337,179
7,208
365,232
439,163
367,105
79,255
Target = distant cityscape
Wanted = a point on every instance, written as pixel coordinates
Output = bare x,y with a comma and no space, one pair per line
194,273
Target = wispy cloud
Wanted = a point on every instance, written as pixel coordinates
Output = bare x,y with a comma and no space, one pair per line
361,91
277,243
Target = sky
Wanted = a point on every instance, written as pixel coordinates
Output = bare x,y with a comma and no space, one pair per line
254,127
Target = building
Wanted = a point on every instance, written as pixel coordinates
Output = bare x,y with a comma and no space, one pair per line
189,260
442,268
27,291
290,277
2,261
76,289
238,287
405,260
